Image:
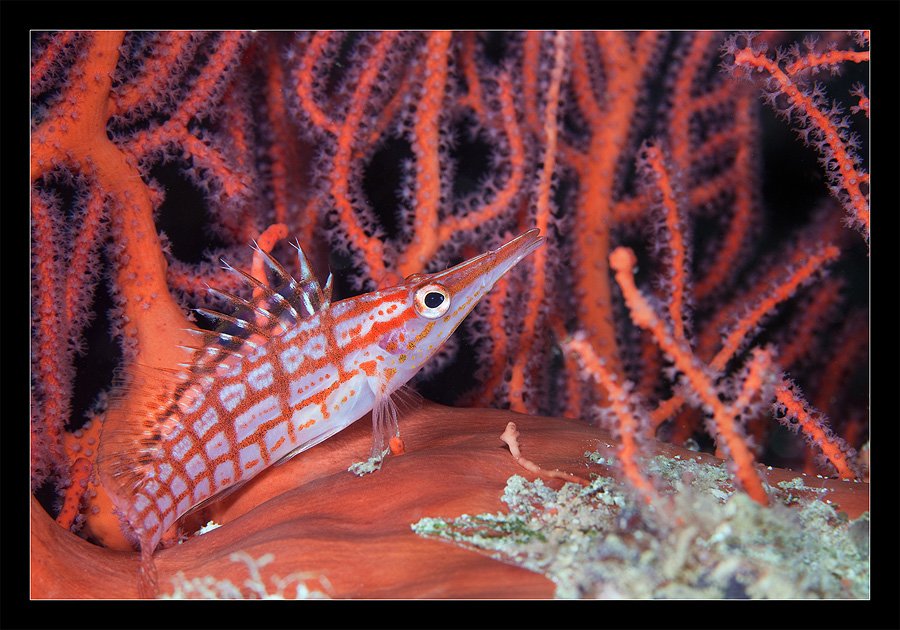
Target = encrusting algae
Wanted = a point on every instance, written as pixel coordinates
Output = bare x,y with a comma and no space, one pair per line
294,586
598,541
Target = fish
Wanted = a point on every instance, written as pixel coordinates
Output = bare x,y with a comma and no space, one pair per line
286,370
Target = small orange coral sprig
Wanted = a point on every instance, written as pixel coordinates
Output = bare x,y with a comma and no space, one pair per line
510,437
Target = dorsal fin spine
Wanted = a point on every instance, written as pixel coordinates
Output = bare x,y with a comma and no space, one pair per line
307,302
279,271
253,282
239,302
305,269
280,299
206,337
326,294
267,292
237,321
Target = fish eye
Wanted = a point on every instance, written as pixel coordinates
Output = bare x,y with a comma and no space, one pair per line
432,301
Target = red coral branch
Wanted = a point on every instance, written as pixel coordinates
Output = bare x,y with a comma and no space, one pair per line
80,475
790,407
532,312
819,124
672,237
629,419
698,377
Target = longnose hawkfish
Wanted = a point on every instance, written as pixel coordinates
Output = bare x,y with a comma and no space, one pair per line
286,371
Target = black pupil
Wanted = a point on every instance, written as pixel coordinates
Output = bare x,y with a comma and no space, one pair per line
433,299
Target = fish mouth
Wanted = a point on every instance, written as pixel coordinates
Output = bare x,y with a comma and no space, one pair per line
510,254
485,269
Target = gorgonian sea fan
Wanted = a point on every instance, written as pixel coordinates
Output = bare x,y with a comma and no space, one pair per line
155,154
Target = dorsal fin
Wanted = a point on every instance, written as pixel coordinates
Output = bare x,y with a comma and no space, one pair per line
297,295
279,312
282,301
279,304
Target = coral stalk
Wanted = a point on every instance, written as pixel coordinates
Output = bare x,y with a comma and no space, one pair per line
699,378
629,417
